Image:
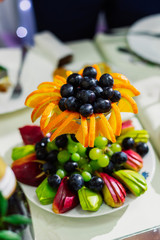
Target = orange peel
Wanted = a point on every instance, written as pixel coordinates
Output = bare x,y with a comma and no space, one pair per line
115,119
119,78
58,131
39,95
48,113
84,131
125,87
98,71
40,108
127,104
92,124
48,85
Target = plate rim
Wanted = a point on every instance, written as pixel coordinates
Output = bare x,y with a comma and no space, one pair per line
87,214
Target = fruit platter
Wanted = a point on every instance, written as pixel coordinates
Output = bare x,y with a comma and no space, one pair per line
83,160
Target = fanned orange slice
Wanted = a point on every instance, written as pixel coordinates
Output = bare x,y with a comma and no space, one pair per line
127,104
102,128
79,134
80,72
60,80
119,78
45,85
40,108
98,71
106,124
68,73
97,132
115,119
71,128
47,115
52,124
39,95
104,68
84,131
126,88
92,125
59,130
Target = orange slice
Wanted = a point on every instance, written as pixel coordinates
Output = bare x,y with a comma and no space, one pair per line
40,108
39,95
97,132
84,131
115,120
68,73
81,72
92,125
119,78
60,80
126,88
102,128
47,114
48,85
61,72
98,71
104,68
79,134
127,104
52,124
71,128
71,116
106,125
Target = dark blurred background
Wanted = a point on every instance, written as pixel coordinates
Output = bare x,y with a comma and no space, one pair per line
69,20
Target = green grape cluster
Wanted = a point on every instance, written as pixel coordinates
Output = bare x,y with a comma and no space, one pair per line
74,157
65,156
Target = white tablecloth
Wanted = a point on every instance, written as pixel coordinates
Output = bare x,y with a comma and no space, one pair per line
141,214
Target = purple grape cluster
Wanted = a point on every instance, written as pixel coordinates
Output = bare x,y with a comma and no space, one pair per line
86,95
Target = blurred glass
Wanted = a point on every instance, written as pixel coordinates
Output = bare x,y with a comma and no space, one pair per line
17,23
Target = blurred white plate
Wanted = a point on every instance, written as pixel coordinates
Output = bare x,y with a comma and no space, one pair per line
146,47
147,171
36,69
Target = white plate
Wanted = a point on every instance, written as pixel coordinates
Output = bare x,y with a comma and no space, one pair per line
147,170
146,47
36,69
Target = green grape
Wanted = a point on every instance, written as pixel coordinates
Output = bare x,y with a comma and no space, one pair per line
63,156
70,141
87,167
115,147
100,142
103,161
61,173
75,157
94,165
86,176
95,153
72,148
109,152
51,146
81,150
82,161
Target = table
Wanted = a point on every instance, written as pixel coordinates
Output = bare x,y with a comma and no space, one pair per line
143,213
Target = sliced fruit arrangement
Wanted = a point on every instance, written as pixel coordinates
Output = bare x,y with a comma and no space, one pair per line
78,103
67,173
